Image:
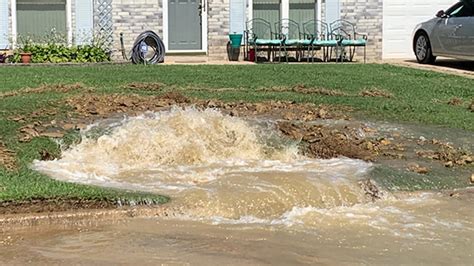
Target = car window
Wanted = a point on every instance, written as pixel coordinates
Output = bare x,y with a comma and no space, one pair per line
461,9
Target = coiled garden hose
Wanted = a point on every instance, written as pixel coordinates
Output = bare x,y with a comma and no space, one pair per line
141,49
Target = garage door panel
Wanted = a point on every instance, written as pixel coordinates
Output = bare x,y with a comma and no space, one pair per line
400,18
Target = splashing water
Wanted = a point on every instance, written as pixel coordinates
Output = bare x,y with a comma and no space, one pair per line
213,163
243,176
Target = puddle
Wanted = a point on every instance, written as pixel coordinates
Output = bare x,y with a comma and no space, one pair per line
242,193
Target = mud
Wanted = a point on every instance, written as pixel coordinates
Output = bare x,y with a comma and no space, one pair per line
53,205
445,153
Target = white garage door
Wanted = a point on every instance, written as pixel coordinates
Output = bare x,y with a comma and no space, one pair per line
400,18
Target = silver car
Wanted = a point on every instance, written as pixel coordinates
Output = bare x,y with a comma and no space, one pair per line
449,34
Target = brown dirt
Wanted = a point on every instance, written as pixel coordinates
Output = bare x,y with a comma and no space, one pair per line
43,205
376,93
447,154
471,106
455,101
416,168
63,88
145,86
305,90
328,142
90,107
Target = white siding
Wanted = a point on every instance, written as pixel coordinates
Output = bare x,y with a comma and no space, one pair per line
84,21
399,20
4,29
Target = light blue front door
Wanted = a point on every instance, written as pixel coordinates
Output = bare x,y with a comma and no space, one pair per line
184,25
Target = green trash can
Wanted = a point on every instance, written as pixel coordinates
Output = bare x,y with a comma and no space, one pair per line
235,40
233,47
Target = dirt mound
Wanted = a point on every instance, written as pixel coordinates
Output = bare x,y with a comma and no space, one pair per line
285,110
445,153
325,142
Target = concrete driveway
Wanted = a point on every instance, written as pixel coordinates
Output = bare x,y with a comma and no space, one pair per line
443,65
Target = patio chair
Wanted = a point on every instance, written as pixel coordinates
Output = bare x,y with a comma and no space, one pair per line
317,32
288,32
344,32
258,34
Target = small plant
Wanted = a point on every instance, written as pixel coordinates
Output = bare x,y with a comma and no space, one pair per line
53,48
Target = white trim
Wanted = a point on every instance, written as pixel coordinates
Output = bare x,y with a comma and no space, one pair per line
285,9
203,29
69,21
249,10
15,22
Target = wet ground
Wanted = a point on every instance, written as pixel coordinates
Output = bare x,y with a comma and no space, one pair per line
425,228
255,183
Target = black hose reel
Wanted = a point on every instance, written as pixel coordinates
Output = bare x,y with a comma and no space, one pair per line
148,49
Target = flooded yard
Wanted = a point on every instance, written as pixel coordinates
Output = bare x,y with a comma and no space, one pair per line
262,190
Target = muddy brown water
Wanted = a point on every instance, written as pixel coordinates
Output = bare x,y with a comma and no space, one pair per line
242,194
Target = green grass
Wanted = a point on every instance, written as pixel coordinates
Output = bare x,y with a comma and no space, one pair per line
419,97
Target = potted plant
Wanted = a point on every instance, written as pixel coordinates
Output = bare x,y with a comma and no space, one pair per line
25,50
25,57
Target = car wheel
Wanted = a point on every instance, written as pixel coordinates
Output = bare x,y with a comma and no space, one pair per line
423,51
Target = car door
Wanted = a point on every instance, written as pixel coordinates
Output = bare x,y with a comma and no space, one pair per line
455,31
467,31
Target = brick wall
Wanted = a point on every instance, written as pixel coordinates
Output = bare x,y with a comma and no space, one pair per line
133,17
218,28
368,17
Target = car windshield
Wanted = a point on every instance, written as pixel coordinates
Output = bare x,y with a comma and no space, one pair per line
461,9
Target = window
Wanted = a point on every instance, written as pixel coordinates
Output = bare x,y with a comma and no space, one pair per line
36,18
461,9
269,10
272,11
302,11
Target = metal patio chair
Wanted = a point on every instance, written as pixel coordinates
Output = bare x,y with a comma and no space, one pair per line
291,39
258,34
344,32
317,32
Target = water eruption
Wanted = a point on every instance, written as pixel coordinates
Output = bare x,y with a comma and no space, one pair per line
215,164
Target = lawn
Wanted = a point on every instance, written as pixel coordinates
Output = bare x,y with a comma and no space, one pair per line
414,96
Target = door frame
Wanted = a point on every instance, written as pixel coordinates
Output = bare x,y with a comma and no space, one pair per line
203,29
14,21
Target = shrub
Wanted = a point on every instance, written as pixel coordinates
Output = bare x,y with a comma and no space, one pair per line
54,50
